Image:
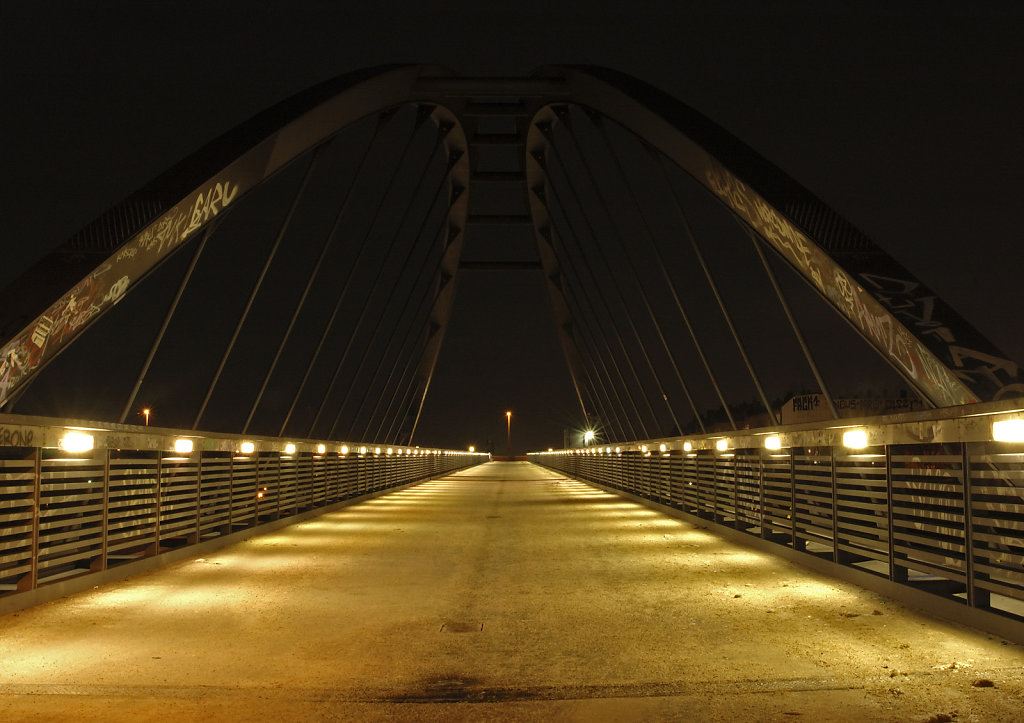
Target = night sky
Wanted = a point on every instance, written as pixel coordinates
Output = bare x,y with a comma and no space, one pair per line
907,122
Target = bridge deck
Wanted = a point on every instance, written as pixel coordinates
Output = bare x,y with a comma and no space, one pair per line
504,591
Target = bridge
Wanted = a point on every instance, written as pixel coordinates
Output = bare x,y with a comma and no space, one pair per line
246,348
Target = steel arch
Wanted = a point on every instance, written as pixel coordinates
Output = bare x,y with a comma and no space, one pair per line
145,229
939,353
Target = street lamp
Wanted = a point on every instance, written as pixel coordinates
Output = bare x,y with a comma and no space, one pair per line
145,413
508,417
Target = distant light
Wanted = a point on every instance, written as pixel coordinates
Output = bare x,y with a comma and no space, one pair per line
399,450
687,446
1008,430
321,448
362,450
183,446
643,448
722,445
855,439
344,449
407,451
618,450
248,447
551,449
76,442
662,447
588,436
473,449
773,442
289,448
390,451
376,450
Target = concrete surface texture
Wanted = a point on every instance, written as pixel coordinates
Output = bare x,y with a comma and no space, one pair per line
504,592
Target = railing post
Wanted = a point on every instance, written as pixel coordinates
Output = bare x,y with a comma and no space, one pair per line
798,544
760,493
975,598
157,502
897,573
31,580
835,503
231,495
105,523
199,500
277,456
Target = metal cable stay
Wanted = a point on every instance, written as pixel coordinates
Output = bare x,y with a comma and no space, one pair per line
574,266
592,232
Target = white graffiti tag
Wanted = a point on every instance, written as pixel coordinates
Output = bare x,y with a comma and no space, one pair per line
879,325
209,203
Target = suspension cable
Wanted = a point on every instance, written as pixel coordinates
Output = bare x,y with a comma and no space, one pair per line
442,131
721,306
259,281
382,120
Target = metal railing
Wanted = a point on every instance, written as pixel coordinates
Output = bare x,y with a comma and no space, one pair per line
928,501
81,497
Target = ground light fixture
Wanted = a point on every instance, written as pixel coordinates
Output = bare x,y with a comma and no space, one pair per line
773,442
183,446
289,448
247,447
722,445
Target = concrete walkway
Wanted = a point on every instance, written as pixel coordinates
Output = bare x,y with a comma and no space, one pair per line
503,592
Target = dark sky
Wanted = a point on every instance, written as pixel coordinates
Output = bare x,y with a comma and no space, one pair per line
907,122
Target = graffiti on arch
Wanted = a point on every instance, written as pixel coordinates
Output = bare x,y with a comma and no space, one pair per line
875,322
106,285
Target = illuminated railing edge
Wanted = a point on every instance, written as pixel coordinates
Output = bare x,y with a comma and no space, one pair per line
75,435
992,421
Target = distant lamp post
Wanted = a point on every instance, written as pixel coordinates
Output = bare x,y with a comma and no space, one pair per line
145,413
508,417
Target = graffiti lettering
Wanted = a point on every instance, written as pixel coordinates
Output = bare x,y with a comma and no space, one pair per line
127,252
42,331
209,204
905,351
16,437
897,294
162,235
117,290
989,365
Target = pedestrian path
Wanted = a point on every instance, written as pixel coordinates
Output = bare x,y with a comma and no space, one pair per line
502,592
